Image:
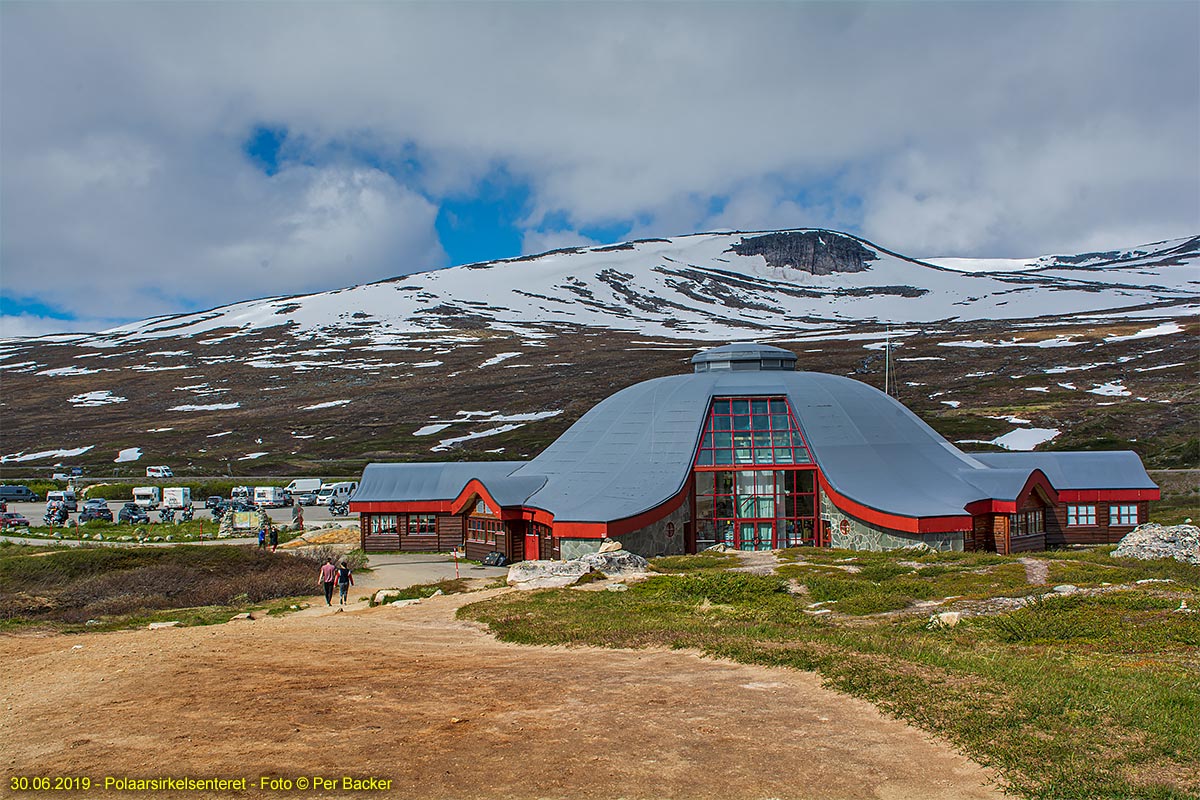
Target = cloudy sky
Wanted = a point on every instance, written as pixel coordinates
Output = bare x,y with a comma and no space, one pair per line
164,157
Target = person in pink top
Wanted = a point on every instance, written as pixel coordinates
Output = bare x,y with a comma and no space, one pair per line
327,578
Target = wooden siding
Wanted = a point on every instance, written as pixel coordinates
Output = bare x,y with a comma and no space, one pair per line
1027,543
448,536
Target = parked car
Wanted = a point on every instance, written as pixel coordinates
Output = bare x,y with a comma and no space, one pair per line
11,519
213,501
95,502
305,499
132,514
159,472
18,494
90,513
60,476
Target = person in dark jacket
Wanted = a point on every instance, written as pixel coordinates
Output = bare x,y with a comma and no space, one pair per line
344,580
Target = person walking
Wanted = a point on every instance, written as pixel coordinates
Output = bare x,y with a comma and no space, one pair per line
345,581
274,539
262,538
326,579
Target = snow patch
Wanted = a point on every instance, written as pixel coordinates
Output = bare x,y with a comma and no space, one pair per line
330,404
496,359
128,454
429,430
1110,389
251,456
93,399
1164,329
69,452
208,407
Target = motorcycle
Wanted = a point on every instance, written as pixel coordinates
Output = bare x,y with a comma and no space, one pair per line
166,515
56,516
337,509
187,514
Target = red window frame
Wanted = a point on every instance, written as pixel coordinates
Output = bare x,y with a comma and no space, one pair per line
484,530
1080,515
749,432
422,524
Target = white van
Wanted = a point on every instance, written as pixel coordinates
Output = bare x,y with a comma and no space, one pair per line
147,496
269,497
64,498
159,472
177,497
302,485
242,493
336,492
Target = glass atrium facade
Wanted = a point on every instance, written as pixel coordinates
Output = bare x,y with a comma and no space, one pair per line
755,480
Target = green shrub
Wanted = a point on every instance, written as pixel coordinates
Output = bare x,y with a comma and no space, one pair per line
718,587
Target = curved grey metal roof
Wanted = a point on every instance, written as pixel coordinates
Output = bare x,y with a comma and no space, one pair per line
1114,469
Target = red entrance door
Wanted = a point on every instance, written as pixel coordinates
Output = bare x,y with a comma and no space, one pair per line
531,546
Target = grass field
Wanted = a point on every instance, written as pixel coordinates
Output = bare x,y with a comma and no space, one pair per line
92,588
1078,696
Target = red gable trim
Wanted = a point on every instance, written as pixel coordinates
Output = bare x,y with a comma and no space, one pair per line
473,487
1103,495
992,507
1039,483
894,521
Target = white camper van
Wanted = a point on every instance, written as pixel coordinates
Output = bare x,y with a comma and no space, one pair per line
336,492
302,485
270,497
177,497
64,498
147,496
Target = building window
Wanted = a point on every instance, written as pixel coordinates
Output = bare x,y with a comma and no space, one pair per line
755,509
484,531
746,430
1123,515
1026,523
1081,515
380,524
422,524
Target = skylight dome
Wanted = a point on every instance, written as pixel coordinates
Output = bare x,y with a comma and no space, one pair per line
744,358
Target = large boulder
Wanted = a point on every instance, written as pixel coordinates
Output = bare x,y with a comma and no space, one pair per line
1180,542
546,574
616,562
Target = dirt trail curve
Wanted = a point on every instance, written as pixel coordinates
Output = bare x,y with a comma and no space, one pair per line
445,711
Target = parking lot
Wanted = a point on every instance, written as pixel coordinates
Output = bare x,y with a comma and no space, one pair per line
312,514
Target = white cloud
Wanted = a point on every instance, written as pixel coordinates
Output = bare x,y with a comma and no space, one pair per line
967,129
542,241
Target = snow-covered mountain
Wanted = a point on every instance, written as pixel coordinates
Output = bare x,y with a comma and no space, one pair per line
721,286
494,360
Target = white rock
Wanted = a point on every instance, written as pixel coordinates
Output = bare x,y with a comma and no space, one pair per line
154,626
412,601
946,619
610,546
243,615
1065,588
437,593
615,562
616,587
385,595
546,574
1180,542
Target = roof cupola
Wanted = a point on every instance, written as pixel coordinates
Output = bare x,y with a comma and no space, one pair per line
744,358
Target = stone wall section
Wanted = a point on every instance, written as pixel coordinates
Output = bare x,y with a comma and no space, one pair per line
862,535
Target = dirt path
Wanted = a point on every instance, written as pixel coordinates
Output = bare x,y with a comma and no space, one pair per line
444,711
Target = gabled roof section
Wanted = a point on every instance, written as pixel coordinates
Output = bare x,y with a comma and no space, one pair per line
1117,469
417,482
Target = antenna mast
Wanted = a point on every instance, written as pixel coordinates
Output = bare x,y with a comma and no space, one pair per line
887,360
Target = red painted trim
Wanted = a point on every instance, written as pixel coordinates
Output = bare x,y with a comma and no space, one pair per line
1037,482
992,507
1107,495
895,522
403,507
473,487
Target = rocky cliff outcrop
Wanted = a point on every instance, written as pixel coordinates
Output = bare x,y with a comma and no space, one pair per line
818,252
